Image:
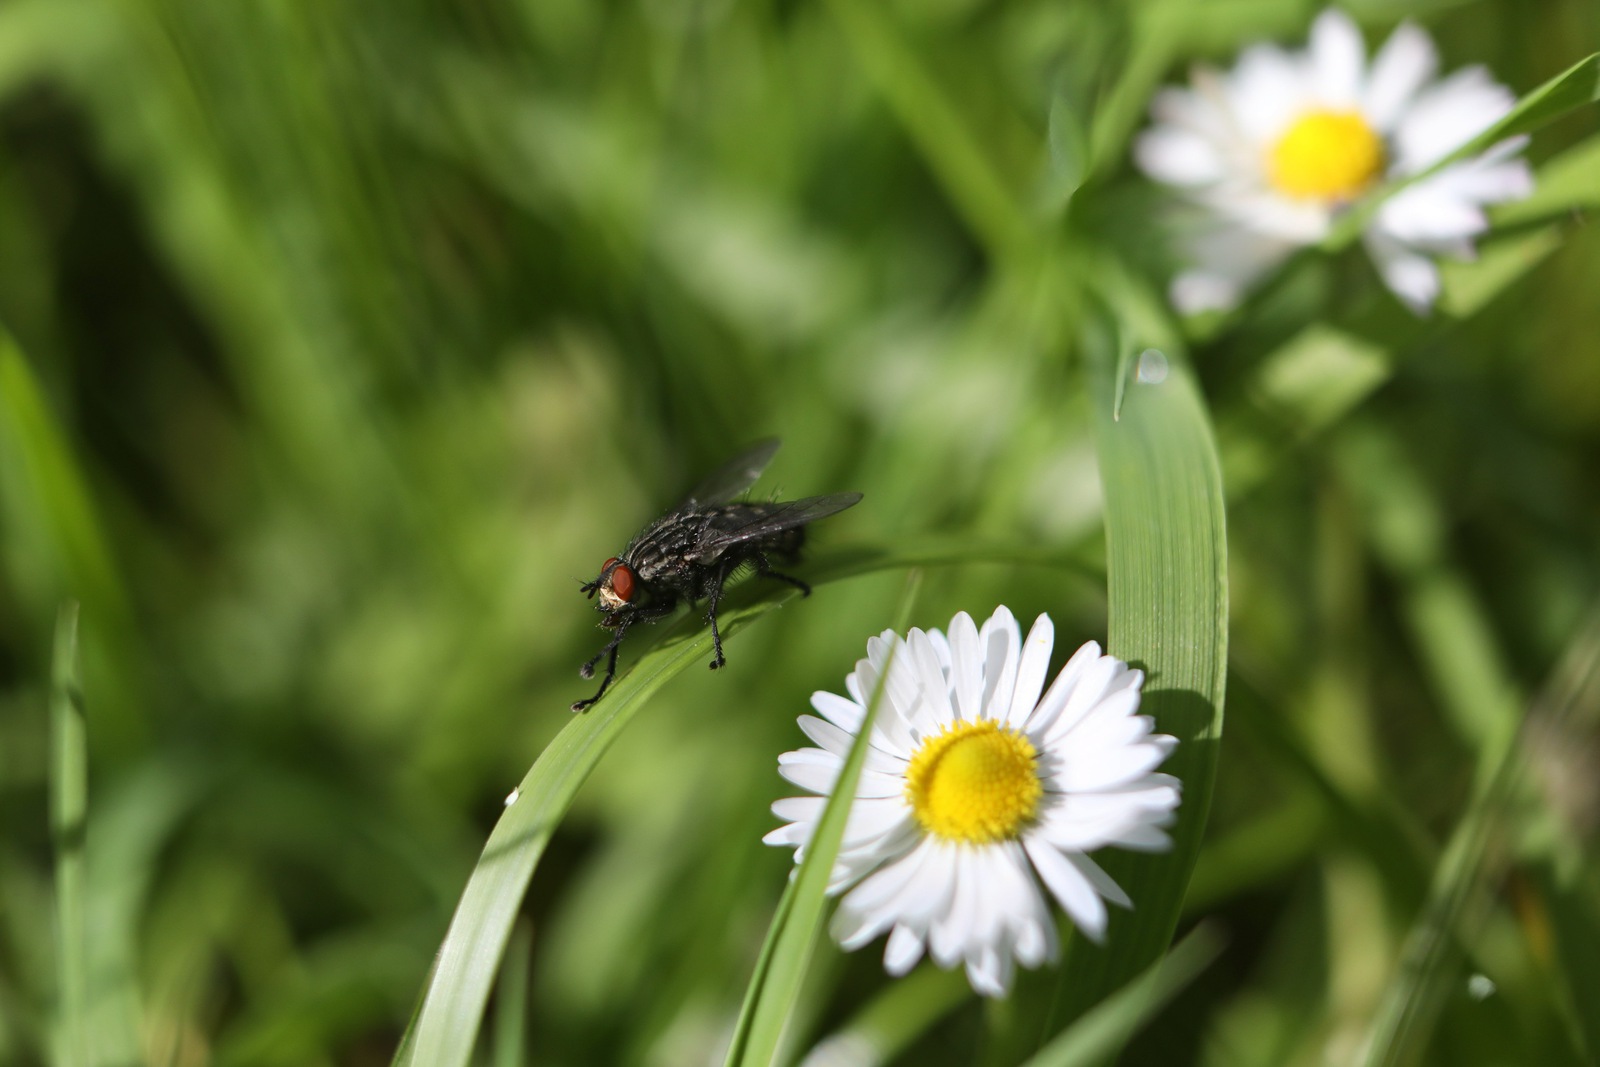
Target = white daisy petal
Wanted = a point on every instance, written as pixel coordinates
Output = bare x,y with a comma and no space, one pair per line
1230,260
1402,66
876,893
1447,115
965,871
931,896
1427,212
852,929
948,933
820,775
890,731
1085,822
1489,179
1055,698
792,834
1111,769
1265,90
1031,671
837,741
1411,275
1114,707
1144,838
1193,112
1086,693
1101,881
989,971
930,677
1074,891
1337,58
902,691
966,669
1001,640
847,715
870,818
1036,943
903,950
1179,157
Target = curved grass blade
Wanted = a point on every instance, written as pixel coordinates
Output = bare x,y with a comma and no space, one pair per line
797,923
468,961
1106,1027
69,821
1166,548
896,1017
52,501
1405,1017
964,166
511,1003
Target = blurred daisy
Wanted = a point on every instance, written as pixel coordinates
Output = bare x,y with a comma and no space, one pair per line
1277,147
976,789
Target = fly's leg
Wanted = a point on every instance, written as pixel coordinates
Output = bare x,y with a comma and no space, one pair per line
714,594
587,670
648,614
610,651
764,568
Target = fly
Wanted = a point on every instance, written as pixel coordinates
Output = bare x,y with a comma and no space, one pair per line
691,552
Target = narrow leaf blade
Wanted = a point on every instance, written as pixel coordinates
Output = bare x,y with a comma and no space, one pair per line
1167,576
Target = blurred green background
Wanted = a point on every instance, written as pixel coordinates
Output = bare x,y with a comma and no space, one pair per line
349,337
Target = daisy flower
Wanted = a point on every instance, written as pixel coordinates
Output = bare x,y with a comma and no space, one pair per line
1276,148
976,790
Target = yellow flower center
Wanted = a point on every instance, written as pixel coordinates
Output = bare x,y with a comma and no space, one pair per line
1326,155
976,782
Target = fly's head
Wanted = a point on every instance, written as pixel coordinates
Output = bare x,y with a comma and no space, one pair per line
616,586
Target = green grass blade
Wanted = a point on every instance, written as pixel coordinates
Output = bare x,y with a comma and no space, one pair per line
1168,613
894,1019
52,511
469,959
1104,1029
797,924
1404,1018
1566,880
1574,87
511,1001
1538,226
1411,1003
1564,183
1158,30
963,165
69,820
1452,630
1575,914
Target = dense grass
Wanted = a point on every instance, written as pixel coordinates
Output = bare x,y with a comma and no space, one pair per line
345,339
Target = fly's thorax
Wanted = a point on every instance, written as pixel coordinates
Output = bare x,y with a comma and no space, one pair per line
662,550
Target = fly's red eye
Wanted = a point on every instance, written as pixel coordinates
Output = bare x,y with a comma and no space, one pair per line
608,563
622,582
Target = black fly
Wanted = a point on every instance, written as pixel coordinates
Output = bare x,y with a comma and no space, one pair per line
691,551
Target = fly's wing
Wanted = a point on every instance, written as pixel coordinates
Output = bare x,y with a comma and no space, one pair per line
744,523
733,477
